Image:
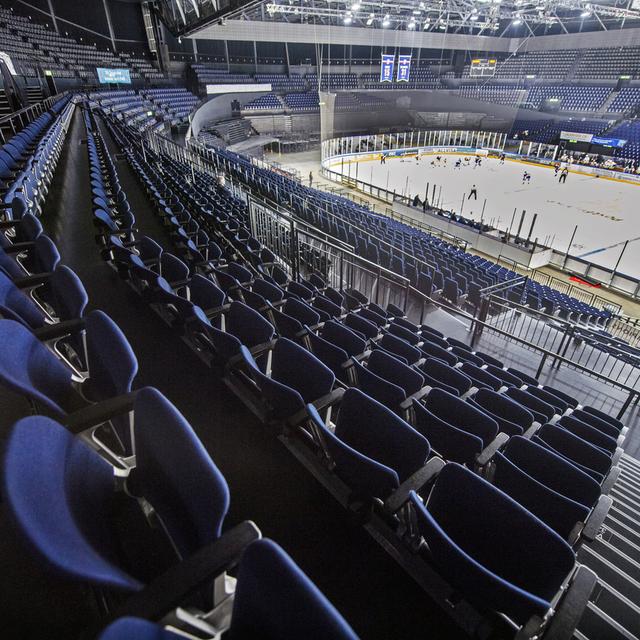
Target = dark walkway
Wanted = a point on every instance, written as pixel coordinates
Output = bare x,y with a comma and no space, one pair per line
267,484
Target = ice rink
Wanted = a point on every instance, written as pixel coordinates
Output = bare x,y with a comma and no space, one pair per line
607,212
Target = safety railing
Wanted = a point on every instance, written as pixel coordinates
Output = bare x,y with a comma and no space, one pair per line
15,122
344,269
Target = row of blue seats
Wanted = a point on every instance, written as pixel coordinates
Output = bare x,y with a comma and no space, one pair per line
280,375
397,245
79,372
28,160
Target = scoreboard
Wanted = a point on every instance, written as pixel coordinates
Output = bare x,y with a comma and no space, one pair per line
483,68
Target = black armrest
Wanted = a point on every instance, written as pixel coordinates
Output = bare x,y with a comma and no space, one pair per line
180,283
28,282
322,403
596,518
414,482
213,312
256,351
19,247
8,224
176,584
59,330
572,606
418,395
610,480
489,451
95,414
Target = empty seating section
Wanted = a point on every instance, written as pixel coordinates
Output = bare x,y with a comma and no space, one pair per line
268,102
307,101
511,95
392,417
629,131
442,448
572,98
150,108
28,160
81,371
550,65
172,104
549,130
609,64
628,98
35,47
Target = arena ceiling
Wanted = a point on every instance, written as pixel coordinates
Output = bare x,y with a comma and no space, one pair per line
506,18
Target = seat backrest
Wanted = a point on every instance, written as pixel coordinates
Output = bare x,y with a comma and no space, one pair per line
112,363
248,325
375,431
462,415
575,448
301,311
588,433
69,295
462,503
391,369
282,401
400,347
274,599
59,493
29,368
301,370
204,293
434,351
500,405
343,337
176,474
378,388
16,305
552,470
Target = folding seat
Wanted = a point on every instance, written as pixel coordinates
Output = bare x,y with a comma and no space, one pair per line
372,316
490,360
512,418
598,423
491,550
357,323
333,356
18,306
439,374
354,299
353,343
556,402
607,418
542,412
373,451
456,430
239,325
592,435
24,230
390,381
39,257
467,357
525,377
579,452
406,334
296,378
271,292
481,377
507,379
273,599
174,477
400,348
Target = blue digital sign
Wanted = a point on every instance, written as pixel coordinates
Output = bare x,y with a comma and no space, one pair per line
404,67
609,142
113,76
386,68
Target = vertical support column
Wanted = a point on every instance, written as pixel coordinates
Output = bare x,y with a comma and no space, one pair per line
255,56
226,54
107,13
53,17
286,54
